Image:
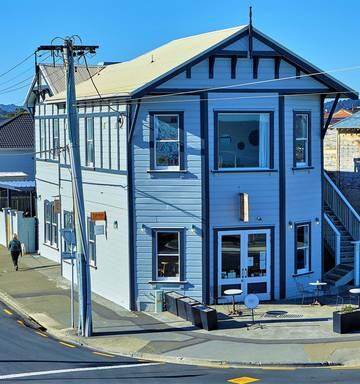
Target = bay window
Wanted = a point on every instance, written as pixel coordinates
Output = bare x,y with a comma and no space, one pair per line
302,139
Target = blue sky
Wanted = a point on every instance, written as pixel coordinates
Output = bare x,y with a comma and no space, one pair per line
323,32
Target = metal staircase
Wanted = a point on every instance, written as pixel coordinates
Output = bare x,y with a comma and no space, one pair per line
341,236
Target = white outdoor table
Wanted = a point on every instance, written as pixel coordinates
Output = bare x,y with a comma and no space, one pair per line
355,291
317,284
233,293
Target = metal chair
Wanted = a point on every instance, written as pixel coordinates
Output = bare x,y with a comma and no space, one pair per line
303,292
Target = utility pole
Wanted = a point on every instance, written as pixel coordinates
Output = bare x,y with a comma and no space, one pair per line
69,50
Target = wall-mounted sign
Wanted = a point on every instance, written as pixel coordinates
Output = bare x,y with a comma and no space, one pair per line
68,256
57,206
97,216
244,207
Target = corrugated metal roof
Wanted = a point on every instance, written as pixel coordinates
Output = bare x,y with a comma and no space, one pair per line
124,78
55,75
17,132
16,185
352,122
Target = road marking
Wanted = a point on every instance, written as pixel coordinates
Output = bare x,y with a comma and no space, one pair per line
8,312
243,380
279,369
41,334
67,345
103,354
20,322
71,370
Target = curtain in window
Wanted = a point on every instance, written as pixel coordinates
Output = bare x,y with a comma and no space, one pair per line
264,149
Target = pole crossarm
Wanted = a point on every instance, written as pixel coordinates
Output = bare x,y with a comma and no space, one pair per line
90,48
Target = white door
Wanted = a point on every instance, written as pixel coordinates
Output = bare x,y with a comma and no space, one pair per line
244,262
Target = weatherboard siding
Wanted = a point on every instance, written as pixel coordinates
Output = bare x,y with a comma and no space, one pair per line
167,200
104,190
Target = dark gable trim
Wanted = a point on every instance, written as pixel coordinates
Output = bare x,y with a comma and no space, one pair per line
182,260
245,54
193,62
296,225
322,101
282,197
211,66
255,67
233,67
216,255
277,62
309,154
298,72
216,141
297,62
205,197
188,72
180,114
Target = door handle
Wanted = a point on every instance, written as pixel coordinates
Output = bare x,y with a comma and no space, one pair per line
245,272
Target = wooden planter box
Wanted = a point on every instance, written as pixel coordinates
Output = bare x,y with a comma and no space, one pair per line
345,322
171,299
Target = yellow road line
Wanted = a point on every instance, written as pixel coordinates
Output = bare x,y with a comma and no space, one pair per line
103,354
8,312
67,345
41,334
20,322
243,380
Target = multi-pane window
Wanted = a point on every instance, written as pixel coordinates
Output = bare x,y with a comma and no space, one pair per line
68,225
167,141
302,139
90,150
302,248
42,138
92,241
243,140
51,224
167,253
56,139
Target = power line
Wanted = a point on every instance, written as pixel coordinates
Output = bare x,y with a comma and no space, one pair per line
17,65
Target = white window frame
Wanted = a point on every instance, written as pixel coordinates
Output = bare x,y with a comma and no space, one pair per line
51,225
90,163
42,135
56,139
301,164
92,242
178,255
305,247
167,167
269,149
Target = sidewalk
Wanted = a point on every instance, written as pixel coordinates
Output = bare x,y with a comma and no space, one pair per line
300,335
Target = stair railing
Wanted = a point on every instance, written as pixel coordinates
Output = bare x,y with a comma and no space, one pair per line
337,202
332,237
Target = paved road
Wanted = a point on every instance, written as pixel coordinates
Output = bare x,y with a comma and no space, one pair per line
27,355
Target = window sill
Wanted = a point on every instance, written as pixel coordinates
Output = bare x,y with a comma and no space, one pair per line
167,171
243,170
167,282
93,266
303,274
302,168
51,246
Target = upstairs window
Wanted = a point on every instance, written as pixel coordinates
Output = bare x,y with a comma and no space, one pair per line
302,139
243,140
42,123
90,150
167,141
302,248
56,139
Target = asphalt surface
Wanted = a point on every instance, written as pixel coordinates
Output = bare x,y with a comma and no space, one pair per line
29,355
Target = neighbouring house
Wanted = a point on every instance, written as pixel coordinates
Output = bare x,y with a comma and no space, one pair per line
331,155
17,180
205,154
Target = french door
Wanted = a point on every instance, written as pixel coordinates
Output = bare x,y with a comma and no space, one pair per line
244,262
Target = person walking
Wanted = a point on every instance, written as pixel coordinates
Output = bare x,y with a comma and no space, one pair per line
15,250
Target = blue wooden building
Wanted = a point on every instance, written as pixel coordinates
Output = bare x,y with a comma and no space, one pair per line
205,154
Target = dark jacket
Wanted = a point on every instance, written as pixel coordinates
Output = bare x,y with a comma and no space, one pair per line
15,246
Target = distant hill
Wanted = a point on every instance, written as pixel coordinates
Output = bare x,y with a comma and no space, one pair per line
343,104
8,110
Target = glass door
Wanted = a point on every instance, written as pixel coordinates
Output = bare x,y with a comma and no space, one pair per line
244,263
